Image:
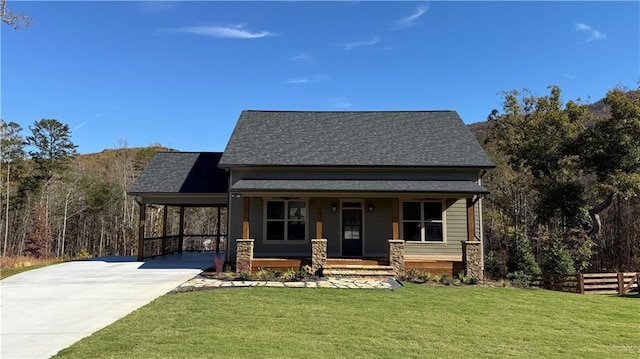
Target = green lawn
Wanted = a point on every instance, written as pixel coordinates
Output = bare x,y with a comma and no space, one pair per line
414,321
8,272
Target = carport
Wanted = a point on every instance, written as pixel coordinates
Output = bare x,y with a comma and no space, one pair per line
182,180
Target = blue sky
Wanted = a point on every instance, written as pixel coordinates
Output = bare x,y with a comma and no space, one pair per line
180,73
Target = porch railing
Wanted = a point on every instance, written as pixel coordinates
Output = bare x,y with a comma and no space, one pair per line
158,246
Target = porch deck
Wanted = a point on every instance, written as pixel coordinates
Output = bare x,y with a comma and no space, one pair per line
432,266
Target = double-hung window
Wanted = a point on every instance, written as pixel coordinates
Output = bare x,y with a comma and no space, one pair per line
422,221
286,220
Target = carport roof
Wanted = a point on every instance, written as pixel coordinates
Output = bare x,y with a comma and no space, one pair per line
181,175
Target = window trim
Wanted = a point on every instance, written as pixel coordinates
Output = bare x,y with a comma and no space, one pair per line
422,221
285,220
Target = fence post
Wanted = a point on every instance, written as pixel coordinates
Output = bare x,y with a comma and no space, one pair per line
580,283
620,283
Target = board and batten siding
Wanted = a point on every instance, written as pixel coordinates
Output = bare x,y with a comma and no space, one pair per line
456,233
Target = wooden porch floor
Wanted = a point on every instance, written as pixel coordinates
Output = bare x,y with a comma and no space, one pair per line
431,266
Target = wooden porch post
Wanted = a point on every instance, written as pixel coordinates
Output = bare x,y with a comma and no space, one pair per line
219,223
395,215
319,220
143,216
245,217
181,230
164,230
471,231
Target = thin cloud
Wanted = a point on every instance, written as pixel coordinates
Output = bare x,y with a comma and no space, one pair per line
412,19
299,80
353,45
307,79
382,49
592,34
301,57
568,76
339,104
78,126
228,32
118,107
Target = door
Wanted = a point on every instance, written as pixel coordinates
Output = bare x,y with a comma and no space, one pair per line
352,232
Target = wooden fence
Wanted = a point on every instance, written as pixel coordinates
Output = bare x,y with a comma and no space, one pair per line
589,283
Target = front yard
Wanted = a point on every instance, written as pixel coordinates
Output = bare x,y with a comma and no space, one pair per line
416,321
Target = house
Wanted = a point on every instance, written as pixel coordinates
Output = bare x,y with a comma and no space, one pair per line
400,188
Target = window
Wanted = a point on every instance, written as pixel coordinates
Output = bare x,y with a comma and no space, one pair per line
286,220
422,221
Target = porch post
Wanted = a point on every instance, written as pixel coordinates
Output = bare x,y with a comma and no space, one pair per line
142,218
471,221
245,217
219,223
181,230
244,255
471,249
395,215
318,254
396,256
319,220
164,230
244,245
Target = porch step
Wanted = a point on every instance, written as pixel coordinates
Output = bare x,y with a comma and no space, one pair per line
352,270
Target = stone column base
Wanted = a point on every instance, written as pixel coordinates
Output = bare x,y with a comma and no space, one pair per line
472,258
396,256
244,255
318,254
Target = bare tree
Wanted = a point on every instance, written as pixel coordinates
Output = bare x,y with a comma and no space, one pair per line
17,20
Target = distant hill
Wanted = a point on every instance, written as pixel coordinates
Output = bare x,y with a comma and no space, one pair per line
107,161
598,108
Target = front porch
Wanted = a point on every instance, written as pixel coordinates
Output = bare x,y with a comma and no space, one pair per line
458,248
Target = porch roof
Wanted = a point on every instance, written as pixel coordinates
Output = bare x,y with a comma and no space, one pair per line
270,185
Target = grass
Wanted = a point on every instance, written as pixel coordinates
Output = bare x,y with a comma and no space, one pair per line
414,321
13,265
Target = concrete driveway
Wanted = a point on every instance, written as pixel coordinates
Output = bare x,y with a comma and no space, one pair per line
48,309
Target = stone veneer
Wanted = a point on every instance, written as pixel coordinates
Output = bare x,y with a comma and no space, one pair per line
318,254
472,258
244,255
396,256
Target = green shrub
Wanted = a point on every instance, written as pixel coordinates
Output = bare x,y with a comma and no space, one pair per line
521,256
228,268
446,279
557,259
520,279
83,254
416,276
290,274
264,274
463,278
246,276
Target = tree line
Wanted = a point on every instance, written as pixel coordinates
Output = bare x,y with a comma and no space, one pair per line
56,203
564,194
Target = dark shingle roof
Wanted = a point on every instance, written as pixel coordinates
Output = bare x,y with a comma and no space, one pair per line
356,185
388,138
182,172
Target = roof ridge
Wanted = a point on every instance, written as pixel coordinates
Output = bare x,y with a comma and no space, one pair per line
355,111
